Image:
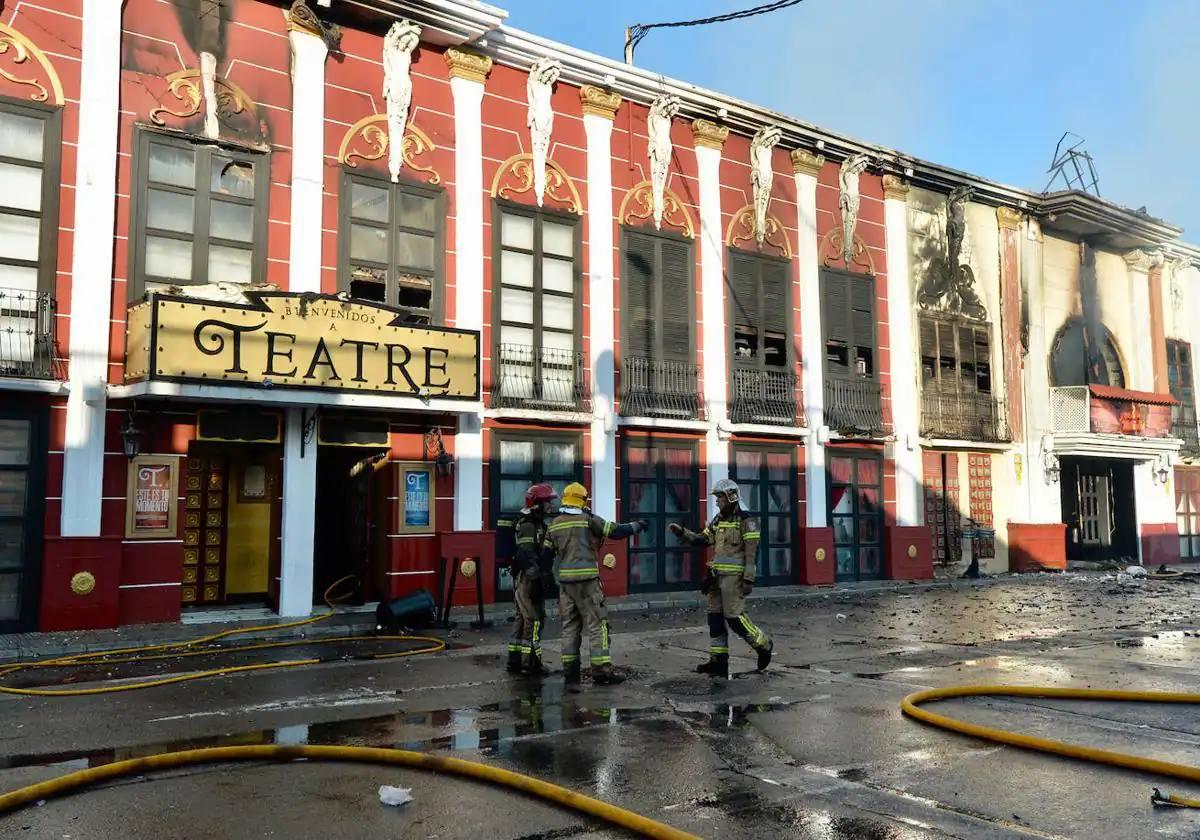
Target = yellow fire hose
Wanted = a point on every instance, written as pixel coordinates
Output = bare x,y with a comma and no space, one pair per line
911,706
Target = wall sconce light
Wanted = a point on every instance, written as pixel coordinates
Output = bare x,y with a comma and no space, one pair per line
131,435
1051,467
1162,471
443,461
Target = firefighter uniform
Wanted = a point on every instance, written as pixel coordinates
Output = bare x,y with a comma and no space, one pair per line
529,590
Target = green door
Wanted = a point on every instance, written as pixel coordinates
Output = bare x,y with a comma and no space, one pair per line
766,477
856,514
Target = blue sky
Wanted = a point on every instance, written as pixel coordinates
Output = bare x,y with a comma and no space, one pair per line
987,86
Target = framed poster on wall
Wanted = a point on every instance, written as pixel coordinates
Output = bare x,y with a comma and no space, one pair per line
416,499
151,497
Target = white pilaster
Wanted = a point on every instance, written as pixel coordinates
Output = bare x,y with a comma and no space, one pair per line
905,401
1141,353
806,168
712,290
602,330
468,246
1041,501
299,516
92,268
1154,501
308,158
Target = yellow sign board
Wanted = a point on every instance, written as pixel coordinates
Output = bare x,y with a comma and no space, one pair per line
289,340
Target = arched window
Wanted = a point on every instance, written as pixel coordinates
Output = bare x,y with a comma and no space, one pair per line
1069,361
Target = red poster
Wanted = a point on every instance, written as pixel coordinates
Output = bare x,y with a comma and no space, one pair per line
152,497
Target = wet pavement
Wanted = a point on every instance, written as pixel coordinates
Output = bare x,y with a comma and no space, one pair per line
813,748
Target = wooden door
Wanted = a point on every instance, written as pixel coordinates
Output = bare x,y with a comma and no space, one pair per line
205,486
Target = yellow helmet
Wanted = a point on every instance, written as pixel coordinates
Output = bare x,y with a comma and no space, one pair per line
574,495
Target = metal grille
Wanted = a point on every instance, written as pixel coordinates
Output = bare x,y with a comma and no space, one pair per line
853,405
1070,409
26,333
651,388
539,378
767,397
979,417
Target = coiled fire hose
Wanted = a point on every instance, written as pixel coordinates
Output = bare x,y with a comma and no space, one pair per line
273,752
911,706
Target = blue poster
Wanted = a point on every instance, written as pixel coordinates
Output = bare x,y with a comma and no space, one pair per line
416,499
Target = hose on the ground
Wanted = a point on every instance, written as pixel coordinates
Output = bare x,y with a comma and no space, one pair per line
204,647
911,706
273,752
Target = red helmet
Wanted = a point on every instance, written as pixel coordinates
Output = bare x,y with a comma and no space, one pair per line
539,493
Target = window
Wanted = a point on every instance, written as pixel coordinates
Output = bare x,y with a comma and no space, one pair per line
848,321
199,215
1187,512
658,309
536,265
760,312
1069,358
661,481
29,171
393,245
521,460
955,357
1179,375
766,477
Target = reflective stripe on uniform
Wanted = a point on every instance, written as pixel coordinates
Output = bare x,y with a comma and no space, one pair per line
568,658
601,660
604,634
718,650
752,535
570,573
729,524
526,541
565,526
537,633
728,567
608,526
757,636
513,647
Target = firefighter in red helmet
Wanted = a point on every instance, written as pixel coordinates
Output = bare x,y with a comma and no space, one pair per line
529,571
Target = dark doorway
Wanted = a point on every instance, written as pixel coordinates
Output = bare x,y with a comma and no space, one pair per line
350,481
856,513
661,484
1098,509
766,477
22,496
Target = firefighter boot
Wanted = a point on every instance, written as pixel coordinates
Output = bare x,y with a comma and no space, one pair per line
514,662
571,673
605,675
764,656
533,666
716,666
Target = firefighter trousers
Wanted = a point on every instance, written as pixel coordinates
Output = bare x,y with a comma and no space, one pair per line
727,606
531,618
581,604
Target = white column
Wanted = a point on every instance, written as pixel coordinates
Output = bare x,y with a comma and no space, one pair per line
467,74
92,268
1154,501
905,405
806,167
308,159
599,111
1141,353
299,515
1041,503
710,139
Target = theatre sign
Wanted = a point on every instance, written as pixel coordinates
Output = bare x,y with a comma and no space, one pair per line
289,340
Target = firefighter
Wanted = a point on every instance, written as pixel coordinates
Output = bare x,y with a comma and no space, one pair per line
576,536
731,572
529,577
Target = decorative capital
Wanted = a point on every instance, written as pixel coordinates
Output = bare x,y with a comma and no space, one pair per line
468,65
1140,260
599,102
301,18
805,162
1008,218
709,134
895,187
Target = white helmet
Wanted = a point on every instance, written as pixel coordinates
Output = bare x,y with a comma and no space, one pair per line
729,487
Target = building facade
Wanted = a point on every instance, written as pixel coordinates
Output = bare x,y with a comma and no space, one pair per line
297,293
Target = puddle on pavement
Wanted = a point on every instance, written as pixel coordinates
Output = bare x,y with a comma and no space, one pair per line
751,811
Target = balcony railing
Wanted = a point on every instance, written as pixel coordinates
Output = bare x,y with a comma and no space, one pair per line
766,397
540,378
853,406
26,333
659,388
1183,426
978,417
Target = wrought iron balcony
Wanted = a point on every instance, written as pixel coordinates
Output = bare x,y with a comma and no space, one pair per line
762,396
659,388
853,406
541,378
1183,426
26,333
978,417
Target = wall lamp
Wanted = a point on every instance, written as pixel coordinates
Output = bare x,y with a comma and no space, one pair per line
131,435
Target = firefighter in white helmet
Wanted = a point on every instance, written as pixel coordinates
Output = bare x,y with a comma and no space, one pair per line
734,535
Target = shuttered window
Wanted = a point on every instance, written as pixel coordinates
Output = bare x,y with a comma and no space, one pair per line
955,356
759,311
657,310
848,321
1179,376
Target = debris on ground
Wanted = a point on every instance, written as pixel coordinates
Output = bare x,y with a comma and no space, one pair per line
397,796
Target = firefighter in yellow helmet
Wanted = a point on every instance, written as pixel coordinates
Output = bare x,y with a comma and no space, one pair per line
576,535
734,535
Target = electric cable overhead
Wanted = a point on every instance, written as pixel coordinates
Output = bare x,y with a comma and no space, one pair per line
635,33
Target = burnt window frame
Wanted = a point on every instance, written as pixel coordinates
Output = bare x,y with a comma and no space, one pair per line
437,309
1109,348
957,325
658,354
50,116
759,364
201,191
1185,393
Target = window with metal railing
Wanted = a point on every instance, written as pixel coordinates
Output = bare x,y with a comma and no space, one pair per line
1183,415
957,400
761,378
853,395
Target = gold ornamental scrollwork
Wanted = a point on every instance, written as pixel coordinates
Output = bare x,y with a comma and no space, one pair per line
519,170
831,252
741,229
185,86
368,140
45,84
638,205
